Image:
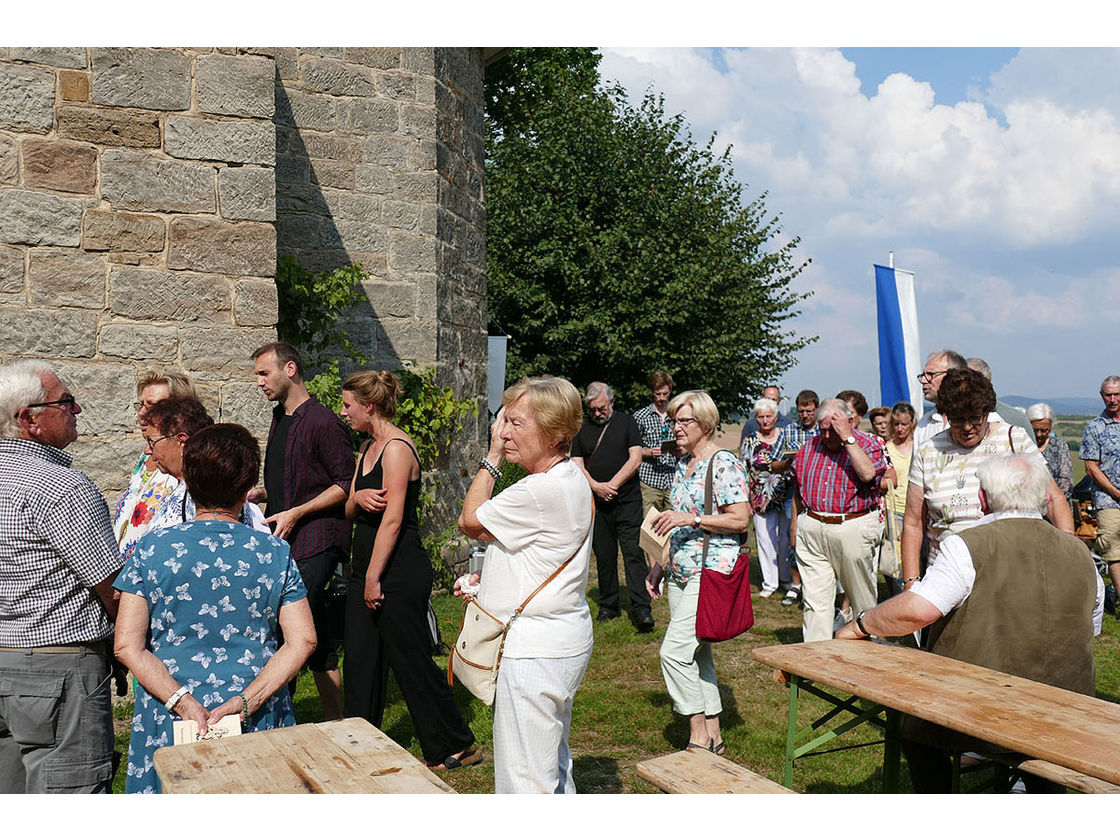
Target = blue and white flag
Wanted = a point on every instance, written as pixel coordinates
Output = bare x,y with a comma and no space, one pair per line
899,357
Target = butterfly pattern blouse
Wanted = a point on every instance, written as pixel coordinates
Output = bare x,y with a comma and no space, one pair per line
214,592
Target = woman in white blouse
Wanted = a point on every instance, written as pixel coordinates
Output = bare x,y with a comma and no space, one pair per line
534,527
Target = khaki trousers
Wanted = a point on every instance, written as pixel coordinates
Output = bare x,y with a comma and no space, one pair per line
1108,534
825,553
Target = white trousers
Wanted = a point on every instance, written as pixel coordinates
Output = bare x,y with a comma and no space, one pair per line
686,662
532,720
771,532
826,553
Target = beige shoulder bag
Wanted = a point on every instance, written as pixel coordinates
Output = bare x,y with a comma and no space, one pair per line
482,638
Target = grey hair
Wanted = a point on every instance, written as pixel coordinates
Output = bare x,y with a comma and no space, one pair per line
955,359
1110,380
765,404
1014,482
598,389
1041,411
830,405
981,367
21,384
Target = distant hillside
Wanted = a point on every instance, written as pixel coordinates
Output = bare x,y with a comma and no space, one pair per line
1061,405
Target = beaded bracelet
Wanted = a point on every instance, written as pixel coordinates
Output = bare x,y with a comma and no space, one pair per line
244,709
176,697
907,580
490,468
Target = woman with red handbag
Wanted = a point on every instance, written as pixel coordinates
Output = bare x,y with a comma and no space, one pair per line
710,504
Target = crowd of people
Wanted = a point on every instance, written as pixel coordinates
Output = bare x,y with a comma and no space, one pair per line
214,605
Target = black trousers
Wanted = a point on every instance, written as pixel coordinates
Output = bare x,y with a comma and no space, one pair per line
396,635
616,526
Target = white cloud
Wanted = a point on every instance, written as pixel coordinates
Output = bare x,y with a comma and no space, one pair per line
981,199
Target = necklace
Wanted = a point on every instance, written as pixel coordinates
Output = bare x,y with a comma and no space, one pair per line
215,514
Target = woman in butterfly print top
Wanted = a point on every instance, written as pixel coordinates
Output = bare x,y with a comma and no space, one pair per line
212,594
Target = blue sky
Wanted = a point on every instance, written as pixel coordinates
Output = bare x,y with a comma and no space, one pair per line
993,174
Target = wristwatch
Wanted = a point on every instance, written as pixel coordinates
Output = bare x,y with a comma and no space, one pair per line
696,519
850,439
859,624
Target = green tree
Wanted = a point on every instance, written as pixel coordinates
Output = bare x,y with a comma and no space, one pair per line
616,246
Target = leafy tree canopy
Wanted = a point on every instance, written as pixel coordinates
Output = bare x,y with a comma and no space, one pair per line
616,246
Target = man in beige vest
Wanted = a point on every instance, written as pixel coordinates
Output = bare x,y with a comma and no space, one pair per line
1013,594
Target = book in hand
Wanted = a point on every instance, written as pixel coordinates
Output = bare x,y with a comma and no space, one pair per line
186,731
650,541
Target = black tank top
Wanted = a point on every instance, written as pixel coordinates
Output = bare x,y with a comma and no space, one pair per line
367,523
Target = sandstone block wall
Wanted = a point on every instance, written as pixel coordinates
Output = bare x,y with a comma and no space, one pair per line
145,193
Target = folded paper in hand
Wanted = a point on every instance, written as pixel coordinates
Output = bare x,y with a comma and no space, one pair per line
186,731
650,541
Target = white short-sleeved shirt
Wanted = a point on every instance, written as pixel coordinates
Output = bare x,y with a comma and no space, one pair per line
948,583
538,523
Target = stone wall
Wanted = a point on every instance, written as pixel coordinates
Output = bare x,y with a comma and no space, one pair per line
380,159
144,194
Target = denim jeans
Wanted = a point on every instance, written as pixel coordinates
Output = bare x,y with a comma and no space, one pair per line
56,723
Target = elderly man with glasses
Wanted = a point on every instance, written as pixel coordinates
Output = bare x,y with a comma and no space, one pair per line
58,561
609,451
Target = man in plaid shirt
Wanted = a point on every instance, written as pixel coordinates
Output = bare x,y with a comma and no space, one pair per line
835,525
58,561
658,459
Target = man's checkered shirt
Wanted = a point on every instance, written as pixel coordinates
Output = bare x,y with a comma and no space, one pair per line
654,472
56,544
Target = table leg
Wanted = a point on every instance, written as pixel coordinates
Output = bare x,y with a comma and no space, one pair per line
892,750
791,729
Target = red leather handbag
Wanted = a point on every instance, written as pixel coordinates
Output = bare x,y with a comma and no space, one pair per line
724,609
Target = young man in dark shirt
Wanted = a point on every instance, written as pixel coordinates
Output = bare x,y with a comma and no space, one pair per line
309,462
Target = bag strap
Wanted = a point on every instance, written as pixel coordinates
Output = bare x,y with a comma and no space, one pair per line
600,440
707,506
559,569
1010,440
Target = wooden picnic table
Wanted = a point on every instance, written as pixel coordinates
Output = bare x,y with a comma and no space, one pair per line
341,756
1065,728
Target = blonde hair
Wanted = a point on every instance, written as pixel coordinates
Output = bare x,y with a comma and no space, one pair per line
178,385
378,388
555,405
703,409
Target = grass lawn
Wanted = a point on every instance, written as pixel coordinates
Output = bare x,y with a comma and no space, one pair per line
623,715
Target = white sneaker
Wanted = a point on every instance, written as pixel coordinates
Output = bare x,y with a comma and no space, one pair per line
766,593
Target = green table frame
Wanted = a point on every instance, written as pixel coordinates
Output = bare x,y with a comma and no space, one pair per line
857,712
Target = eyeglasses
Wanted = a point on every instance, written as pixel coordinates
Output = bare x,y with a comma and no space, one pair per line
962,422
152,443
682,421
929,377
68,401
136,406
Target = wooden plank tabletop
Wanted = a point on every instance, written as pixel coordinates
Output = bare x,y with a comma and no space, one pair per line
342,756
1063,727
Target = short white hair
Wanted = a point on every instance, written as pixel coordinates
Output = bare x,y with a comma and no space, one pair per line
598,389
980,366
831,405
1110,380
765,404
1014,482
1041,411
21,383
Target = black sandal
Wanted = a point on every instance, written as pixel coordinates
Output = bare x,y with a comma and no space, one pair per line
469,757
718,749
707,747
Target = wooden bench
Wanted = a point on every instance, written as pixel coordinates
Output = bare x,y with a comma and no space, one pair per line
701,771
1056,773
